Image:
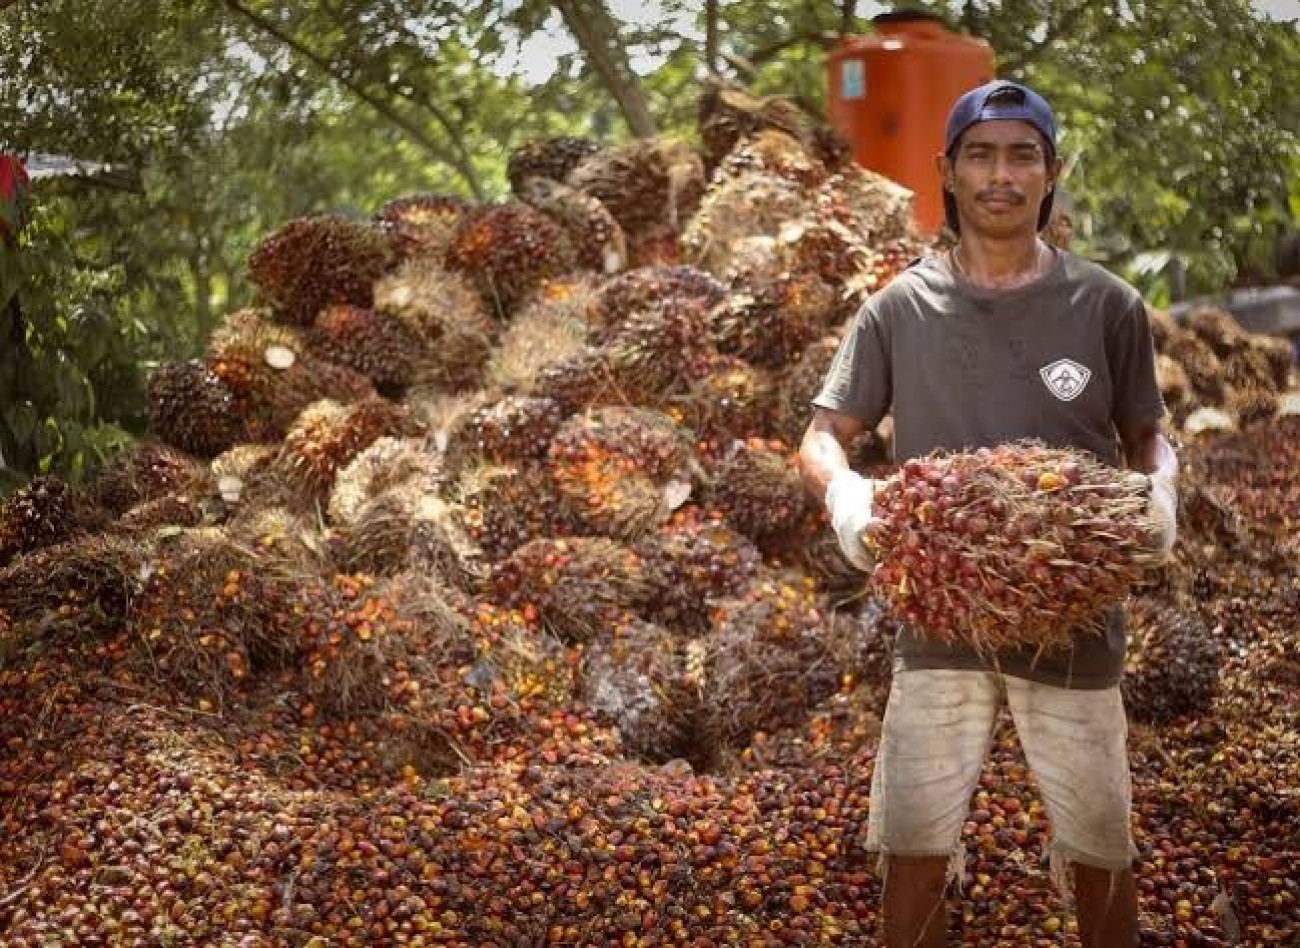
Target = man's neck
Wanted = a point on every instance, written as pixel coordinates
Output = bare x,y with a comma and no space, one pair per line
998,263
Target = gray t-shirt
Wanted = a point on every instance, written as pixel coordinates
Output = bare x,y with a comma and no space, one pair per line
1067,359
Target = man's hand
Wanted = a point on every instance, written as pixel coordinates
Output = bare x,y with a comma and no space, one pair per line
849,498
1162,509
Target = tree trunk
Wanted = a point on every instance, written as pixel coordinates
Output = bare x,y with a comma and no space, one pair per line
597,35
711,37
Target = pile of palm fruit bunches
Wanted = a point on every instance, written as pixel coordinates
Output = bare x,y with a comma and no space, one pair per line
467,594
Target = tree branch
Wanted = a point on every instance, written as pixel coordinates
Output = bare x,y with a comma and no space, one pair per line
711,37
385,109
747,66
594,29
1016,62
848,14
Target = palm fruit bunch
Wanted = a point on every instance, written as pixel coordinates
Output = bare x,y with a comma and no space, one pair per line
1020,544
1204,369
645,183
287,543
1218,329
774,153
657,246
598,241
727,398
870,205
758,488
516,428
653,351
1171,668
634,291
581,380
173,510
773,321
147,470
1175,387
385,464
829,146
619,470
700,560
549,327
508,250
1279,355
768,659
244,475
536,668
87,584
446,315
420,225
328,435
501,508
727,115
313,262
192,409
550,158
579,587
891,258
378,346
736,226
636,679
830,250
43,512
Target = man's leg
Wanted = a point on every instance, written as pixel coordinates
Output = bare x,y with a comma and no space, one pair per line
933,740
1076,743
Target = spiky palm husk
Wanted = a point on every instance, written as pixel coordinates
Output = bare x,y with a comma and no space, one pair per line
1279,354
637,290
598,241
700,561
1172,665
1218,329
758,488
173,510
1204,370
739,208
502,508
657,246
583,380
548,158
581,587
92,578
192,409
637,680
385,464
1175,388
421,225
549,327
378,346
645,183
874,208
312,262
653,352
45,511
830,147
771,323
243,474
147,470
775,153
769,660
728,399
328,435
727,114
508,250
514,429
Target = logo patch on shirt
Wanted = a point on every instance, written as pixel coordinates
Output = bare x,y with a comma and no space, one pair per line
1065,378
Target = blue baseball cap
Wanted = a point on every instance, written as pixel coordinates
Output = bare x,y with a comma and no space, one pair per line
999,99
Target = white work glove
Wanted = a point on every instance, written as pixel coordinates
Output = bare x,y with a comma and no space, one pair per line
1162,510
849,501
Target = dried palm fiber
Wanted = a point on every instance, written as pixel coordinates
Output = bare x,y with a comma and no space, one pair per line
535,667
382,348
830,147
146,470
286,542
1175,388
209,615
510,430
1218,329
635,290
620,471
549,327
799,384
244,475
598,241
312,262
580,587
740,207
636,679
1204,370
1171,668
502,508
775,153
1280,356
768,659
406,528
699,560
421,225
328,435
869,204
657,246
653,352
447,315
1015,546
645,183
507,250
727,399
192,409
44,511
757,487
771,322
727,114
548,158
1162,327
93,578
385,464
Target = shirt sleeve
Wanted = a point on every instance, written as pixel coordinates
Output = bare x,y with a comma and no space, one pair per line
859,381
1131,349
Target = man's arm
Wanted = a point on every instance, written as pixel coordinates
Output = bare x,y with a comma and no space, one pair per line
823,452
1148,451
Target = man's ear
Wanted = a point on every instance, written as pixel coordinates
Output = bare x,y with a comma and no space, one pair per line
1054,173
944,167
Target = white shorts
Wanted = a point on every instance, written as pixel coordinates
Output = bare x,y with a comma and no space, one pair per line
936,733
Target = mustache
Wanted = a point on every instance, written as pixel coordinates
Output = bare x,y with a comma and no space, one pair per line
1000,195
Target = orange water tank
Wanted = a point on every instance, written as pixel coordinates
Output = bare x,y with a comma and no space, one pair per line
889,94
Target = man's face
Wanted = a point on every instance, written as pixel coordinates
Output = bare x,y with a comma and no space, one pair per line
999,177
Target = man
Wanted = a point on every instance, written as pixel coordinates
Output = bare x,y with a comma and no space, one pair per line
1001,338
